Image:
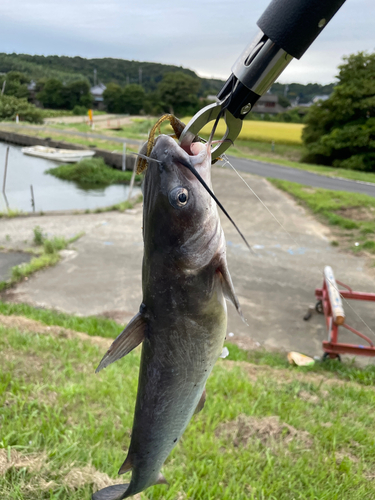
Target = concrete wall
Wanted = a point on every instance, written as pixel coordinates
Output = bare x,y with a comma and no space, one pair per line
112,159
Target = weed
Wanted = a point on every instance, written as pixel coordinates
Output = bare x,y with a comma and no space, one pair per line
54,245
38,235
49,257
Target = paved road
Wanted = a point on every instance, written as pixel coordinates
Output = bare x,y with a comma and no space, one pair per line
261,168
301,176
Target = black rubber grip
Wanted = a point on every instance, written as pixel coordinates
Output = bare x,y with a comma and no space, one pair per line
294,24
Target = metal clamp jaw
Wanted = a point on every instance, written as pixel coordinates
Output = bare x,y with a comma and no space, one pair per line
252,75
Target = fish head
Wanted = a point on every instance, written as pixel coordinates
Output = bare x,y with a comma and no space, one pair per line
180,217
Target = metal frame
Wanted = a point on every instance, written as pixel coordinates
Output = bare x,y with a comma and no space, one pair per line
333,347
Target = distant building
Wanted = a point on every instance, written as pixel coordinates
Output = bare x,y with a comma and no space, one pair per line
97,94
269,104
32,88
320,98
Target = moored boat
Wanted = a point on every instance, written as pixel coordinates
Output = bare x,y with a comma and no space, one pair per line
56,154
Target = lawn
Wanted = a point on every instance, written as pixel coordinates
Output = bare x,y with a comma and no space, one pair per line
351,215
268,431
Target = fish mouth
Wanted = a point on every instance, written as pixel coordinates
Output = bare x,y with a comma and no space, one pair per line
167,151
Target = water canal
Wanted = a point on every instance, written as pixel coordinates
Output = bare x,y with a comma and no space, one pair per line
50,193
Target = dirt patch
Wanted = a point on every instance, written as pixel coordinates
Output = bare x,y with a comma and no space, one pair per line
72,477
269,430
308,397
12,458
342,455
309,190
27,325
285,376
244,342
253,371
79,477
357,213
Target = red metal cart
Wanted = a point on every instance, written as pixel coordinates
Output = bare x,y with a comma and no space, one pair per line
330,304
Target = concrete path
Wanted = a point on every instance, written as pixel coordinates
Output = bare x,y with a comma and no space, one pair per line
101,273
265,169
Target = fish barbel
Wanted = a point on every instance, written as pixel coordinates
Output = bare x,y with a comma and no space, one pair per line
182,320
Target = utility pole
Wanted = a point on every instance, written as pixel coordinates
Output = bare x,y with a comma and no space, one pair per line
140,76
94,77
3,89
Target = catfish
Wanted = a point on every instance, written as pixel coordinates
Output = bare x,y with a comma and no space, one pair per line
182,320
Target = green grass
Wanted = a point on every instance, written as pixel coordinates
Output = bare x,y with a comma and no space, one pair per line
51,402
92,325
352,213
92,173
47,256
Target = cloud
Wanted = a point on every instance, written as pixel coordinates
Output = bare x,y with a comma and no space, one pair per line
206,36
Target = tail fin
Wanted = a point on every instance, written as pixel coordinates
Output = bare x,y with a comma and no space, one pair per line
115,492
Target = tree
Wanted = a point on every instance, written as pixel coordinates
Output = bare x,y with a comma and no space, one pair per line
15,84
112,98
51,95
132,99
178,92
77,94
283,101
341,130
11,106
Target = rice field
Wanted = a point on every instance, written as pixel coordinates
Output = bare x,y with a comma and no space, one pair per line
281,133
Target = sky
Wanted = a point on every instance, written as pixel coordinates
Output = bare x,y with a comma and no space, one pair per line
206,36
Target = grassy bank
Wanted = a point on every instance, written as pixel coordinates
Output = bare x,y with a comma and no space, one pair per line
268,431
92,173
351,215
46,253
282,153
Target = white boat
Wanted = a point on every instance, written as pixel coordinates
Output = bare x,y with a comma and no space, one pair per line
61,155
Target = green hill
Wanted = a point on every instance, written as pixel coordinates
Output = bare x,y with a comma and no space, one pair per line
120,71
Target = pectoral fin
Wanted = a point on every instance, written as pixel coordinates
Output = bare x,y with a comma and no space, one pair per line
130,338
202,400
227,285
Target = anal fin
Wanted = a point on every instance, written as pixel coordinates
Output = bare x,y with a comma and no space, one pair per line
114,492
126,466
202,400
130,338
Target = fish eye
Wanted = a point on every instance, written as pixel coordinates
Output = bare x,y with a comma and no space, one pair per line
178,197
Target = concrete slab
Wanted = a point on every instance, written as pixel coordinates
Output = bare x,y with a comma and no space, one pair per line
10,259
102,272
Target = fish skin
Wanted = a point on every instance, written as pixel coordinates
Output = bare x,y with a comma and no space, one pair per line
185,280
